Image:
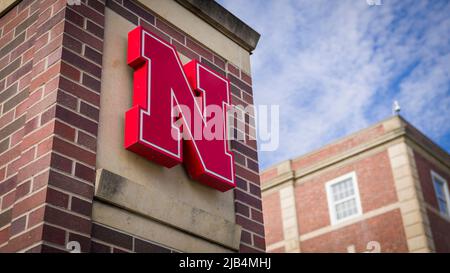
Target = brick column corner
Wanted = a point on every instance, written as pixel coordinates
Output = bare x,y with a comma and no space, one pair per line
50,163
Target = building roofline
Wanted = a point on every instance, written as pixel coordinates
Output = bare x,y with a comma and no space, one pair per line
224,21
346,137
334,142
423,140
406,128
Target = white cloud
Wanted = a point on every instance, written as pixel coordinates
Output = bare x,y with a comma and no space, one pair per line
336,66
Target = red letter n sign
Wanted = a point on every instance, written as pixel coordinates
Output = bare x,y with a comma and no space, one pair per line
162,86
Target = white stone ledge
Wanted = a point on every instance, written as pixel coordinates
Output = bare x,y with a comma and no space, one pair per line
157,205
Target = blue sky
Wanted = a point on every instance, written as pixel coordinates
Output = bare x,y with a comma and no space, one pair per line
335,67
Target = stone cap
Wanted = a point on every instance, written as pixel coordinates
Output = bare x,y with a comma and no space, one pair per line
224,21
210,11
6,5
154,204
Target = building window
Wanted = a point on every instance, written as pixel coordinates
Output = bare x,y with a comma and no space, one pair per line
442,195
343,198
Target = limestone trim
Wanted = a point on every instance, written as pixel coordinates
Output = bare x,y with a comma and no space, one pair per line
224,21
429,155
353,154
289,219
154,204
389,137
350,160
275,245
327,229
426,146
363,217
6,5
196,27
410,196
397,129
389,124
152,230
277,181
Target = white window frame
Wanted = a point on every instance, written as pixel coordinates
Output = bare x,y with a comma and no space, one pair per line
446,192
331,204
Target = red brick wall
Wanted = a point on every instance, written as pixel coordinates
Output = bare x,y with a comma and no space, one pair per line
269,174
16,63
50,81
52,157
376,188
272,218
339,147
440,227
328,151
28,73
424,168
387,229
108,240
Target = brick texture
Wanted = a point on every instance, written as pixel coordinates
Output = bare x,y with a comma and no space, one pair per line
375,183
387,229
328,151
52,100
336,148
377,191
50,81
439,225
272,218
440,230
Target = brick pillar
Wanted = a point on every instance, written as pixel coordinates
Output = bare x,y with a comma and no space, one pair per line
247,194
50,70
248,204
54,173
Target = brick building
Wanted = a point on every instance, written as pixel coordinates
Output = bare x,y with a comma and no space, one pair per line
65,176
384,188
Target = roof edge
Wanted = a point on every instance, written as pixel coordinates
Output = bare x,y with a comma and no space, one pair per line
224,21
7,5
410,131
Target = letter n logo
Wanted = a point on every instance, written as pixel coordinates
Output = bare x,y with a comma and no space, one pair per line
161,85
